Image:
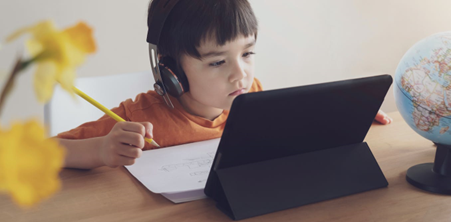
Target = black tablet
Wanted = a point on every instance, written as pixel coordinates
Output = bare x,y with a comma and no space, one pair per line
285,122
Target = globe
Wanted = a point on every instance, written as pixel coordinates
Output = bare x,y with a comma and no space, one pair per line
423,96
423,87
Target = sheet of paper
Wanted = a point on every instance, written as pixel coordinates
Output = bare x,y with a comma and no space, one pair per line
175,169
185,196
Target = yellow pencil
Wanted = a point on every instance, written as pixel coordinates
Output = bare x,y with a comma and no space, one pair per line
107,111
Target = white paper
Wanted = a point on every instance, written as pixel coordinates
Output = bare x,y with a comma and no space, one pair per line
185,196
175,169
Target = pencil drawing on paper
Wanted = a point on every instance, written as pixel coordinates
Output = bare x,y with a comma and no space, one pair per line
198,173
192,163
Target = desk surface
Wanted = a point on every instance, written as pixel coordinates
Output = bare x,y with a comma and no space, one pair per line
106,194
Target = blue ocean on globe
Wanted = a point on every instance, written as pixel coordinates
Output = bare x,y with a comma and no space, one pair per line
423,87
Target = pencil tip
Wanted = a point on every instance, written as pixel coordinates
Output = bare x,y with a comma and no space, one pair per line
155,143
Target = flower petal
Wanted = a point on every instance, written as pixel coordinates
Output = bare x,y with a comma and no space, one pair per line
30,163
34,47
43,29
44,80
66,79
71,55
57,54
16,34
81,37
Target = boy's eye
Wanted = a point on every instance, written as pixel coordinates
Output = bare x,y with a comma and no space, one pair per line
248,54
215,64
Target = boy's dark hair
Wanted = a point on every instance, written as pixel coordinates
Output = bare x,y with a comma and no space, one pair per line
193,21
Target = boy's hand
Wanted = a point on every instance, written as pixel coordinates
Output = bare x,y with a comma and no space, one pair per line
124,143
383,118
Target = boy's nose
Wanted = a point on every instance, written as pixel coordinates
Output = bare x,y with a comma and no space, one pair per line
238,72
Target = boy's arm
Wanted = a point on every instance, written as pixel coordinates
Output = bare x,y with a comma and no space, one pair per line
121,146
82,153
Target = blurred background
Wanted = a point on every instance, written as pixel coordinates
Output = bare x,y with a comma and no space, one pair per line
300,42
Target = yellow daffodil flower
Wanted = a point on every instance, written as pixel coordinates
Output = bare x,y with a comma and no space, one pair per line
29,163
57,53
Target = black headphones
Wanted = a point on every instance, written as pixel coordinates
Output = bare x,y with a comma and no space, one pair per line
169,79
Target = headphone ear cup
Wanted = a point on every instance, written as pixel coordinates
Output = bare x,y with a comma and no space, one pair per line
170,80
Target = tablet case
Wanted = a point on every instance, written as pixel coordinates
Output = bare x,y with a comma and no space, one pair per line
290,147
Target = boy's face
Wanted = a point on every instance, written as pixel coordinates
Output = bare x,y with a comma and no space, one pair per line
223,73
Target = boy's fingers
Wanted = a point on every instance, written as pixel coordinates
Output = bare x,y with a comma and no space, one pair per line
380,116
129,151
125,161
383,118
148,129
133,127
131,138
143,128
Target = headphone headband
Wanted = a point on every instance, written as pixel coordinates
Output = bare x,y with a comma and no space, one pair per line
155,26
156,23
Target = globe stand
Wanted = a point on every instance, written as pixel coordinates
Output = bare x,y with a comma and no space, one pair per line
433,177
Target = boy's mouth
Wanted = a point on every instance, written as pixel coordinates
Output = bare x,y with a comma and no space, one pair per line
238,92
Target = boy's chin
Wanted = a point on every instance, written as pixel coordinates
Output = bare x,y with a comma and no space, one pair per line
226,106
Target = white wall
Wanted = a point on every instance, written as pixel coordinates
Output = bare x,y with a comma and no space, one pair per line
300,42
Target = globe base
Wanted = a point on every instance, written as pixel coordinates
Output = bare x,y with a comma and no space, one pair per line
423,177
433,177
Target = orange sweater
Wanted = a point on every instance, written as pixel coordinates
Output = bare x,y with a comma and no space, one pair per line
171,126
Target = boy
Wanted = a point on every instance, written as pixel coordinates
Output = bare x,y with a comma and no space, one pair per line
212,43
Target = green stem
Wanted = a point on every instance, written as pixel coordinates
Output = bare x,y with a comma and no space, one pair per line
9,83
19,66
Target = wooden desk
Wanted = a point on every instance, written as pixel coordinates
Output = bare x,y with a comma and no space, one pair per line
106,194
